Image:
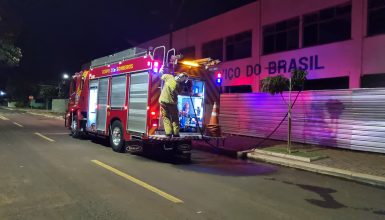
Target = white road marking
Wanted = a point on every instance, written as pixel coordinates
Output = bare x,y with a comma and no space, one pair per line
4,118
139,182
59,133
18,124
42,136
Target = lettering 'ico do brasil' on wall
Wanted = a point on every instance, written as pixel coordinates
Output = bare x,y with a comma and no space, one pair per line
274,67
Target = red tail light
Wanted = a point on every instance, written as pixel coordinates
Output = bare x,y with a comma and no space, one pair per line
154,122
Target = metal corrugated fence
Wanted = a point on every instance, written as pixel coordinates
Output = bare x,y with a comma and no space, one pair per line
352,119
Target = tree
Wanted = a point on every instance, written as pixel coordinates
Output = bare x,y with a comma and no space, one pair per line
279,84
18,90
10,28
48,92
10,55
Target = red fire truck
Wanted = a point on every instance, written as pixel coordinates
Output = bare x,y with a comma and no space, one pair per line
117,98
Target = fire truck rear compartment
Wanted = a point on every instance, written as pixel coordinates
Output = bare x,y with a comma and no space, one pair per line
191,112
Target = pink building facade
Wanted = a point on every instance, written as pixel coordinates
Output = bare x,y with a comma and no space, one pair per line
340,43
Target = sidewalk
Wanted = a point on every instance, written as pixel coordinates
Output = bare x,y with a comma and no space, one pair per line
40,112
355,165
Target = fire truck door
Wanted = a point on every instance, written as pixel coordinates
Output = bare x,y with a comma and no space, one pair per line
92,103
102,104
137,103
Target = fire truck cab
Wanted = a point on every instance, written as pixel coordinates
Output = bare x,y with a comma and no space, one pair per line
118,98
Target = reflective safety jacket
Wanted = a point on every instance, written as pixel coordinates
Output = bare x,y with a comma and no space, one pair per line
170,91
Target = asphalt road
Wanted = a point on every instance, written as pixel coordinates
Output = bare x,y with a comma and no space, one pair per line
46,174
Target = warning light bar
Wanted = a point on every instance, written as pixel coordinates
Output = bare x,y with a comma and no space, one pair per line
156,67
219,78
190,63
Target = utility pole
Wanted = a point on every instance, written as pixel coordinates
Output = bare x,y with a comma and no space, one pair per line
289,119
174,19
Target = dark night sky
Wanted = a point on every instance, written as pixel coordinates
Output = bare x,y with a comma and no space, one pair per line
60,35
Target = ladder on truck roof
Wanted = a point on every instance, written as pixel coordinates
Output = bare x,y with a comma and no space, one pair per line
117,57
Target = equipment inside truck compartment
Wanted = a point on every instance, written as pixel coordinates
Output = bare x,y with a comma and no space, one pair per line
187,104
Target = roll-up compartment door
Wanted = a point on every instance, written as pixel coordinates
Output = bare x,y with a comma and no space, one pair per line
137,103
118,91
102,104
92,103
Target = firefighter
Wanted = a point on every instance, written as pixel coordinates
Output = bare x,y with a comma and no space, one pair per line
168,102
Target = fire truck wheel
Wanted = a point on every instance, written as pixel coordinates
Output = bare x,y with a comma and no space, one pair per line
116,137
74,127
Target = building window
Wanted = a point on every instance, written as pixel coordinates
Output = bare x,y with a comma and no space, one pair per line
238,46
188,53
281,36
213,49
376,17
327,84
238,89
373,81
328,25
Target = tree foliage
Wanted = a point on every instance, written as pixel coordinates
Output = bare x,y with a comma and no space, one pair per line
10,55
278,84
48,92
19,90
275,84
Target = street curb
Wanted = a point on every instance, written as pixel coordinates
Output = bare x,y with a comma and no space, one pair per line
361,177
48,116
33,113
303,159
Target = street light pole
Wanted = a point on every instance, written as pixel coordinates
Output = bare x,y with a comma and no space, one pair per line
173,19
65,77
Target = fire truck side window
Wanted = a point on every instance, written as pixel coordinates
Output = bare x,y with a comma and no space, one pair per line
81,84
118,91
73,86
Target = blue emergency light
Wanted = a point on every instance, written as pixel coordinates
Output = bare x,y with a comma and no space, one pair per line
219,79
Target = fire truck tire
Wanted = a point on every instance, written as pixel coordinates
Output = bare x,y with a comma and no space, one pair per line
75,132
116,137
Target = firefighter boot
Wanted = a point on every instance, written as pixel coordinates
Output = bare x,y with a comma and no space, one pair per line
166,120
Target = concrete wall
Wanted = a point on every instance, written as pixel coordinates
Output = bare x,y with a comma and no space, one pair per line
355,57
34,104
59,105
12,104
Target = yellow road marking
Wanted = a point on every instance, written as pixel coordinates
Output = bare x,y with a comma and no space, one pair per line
18,124
139,182
42,136
4,118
